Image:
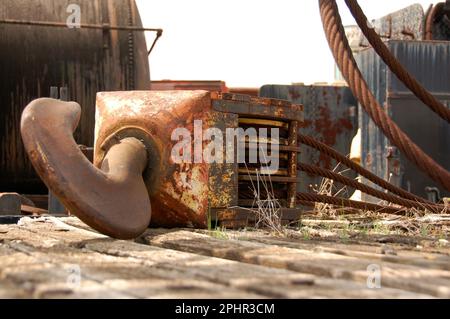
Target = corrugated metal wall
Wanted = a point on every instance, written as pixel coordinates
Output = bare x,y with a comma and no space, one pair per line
429,62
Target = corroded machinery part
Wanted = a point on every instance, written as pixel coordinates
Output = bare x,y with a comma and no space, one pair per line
113,199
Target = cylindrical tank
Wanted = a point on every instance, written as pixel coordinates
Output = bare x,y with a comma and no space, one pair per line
34,58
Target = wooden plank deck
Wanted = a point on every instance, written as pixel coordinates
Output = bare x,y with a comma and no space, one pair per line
52,257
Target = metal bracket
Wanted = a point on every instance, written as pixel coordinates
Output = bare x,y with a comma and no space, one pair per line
394,166
433,194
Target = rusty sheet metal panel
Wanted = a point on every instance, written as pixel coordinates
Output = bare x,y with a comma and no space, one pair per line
223,177
330,115
34,58
429,63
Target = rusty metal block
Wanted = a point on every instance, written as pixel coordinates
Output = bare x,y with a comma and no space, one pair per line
184,194
164,157
179,193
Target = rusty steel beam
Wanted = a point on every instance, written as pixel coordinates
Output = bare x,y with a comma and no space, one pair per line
257,107
112,199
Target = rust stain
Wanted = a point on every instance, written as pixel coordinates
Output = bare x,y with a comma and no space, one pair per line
329,129
294,94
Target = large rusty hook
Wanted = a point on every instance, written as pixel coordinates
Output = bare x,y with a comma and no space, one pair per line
113,199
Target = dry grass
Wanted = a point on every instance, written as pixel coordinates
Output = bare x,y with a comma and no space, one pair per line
325,220
353,222
267,210
329,188
266,207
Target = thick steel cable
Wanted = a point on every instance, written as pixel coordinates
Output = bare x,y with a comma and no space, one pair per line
312,169
343,202
394,64
340,48
325,149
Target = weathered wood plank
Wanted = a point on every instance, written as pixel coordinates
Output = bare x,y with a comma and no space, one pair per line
36,250
27,275
44,270
386,253
262,280
429,281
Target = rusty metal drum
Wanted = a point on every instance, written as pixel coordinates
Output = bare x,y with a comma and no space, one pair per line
86,60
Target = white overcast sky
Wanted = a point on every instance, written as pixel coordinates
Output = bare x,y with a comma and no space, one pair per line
247,42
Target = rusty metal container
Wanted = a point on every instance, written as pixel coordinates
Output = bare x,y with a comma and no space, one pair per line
330,113
34,58
428,62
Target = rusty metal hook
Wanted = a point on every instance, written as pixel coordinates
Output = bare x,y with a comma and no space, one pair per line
113,199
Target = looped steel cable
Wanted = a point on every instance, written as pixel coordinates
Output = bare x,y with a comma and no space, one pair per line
340,48
312,169
325,149
394,64
343,202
